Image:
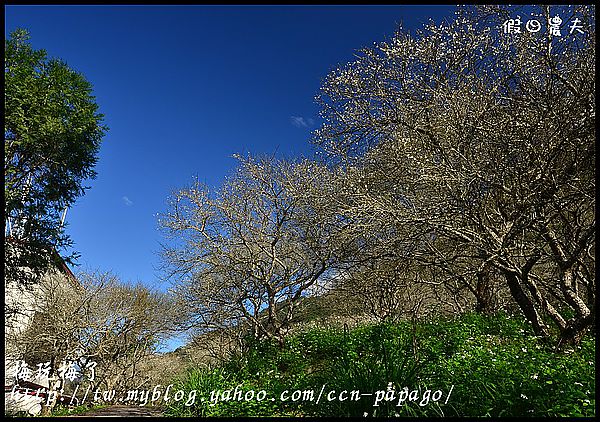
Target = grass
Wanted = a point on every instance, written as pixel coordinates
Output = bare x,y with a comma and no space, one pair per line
490,365
61,410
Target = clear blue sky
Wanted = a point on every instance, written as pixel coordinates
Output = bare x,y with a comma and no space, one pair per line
182,88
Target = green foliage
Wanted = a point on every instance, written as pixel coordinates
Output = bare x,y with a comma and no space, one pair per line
219,381
52,135
62,410
521,376
493,366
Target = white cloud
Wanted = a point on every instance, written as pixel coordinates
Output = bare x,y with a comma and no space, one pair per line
127,201
300,121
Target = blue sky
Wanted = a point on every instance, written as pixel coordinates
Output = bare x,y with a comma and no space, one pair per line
183,88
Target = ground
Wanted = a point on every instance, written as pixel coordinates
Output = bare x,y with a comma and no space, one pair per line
122,411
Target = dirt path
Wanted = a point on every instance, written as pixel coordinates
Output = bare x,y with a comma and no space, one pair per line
122,411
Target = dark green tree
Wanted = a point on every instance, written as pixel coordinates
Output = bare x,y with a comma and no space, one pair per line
52,134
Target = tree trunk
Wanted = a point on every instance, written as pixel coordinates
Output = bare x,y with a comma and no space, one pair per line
576,329
526,304
483,293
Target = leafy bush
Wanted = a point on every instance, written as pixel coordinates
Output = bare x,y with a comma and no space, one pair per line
472,365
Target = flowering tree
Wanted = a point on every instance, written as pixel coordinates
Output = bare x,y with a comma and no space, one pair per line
249,252
476,149
96,318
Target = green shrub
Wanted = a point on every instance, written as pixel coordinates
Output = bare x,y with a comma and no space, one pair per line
481,365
